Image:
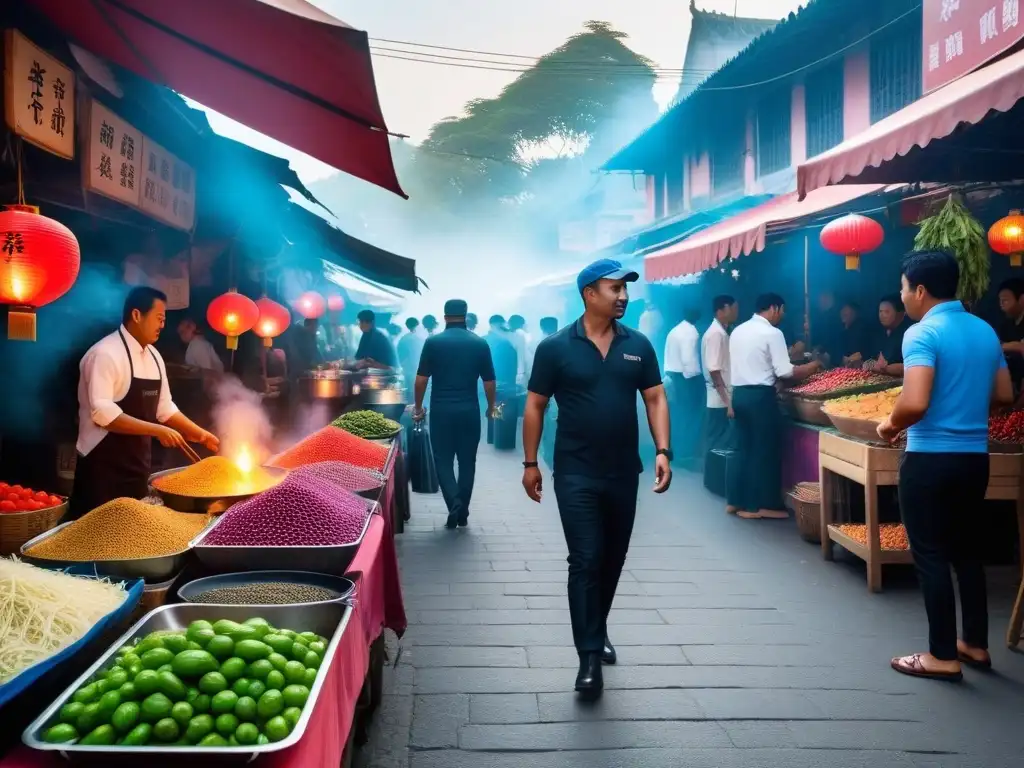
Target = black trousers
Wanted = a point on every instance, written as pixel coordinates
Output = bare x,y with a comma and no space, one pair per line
755,474
597,519
455,435
941,496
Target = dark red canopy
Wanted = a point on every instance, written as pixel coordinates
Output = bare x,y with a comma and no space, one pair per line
281,67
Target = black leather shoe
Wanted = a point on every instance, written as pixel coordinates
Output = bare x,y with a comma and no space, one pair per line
590,680
463,520
608,655
452,522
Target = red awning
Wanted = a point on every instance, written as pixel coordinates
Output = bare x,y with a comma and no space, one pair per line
744,233
996,87
281,67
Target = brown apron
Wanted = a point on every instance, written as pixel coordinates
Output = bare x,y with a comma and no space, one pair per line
120,464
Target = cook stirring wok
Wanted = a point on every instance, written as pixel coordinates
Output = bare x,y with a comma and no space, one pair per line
124,402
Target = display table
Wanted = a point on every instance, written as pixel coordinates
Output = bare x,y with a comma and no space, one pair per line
378,605
873,466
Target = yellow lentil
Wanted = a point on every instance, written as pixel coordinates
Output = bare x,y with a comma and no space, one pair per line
216,476
122,529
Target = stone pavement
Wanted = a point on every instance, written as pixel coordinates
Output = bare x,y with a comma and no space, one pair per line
738,646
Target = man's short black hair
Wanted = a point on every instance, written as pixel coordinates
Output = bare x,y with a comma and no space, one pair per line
394,329
412,323
851,305
549,325
429,322
367,316
937,271
516,322
721,302
497,320
692,315
141,298
1014,285
894,300
768,300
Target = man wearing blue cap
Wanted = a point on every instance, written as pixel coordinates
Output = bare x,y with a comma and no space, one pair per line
593,368
456,359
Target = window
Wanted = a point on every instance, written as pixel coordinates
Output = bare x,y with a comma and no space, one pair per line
774,120
895,69
728,150
824,107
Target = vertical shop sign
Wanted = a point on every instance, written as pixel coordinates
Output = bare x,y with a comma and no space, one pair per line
168,187
113,156
959,36
39,96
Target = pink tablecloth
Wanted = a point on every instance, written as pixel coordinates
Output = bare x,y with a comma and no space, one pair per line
800,455
378,604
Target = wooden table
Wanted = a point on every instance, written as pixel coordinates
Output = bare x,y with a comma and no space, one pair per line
874,466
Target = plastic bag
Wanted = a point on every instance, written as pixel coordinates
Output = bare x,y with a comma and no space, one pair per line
422,472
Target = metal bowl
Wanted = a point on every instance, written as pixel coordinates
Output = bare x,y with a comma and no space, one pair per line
213,504
152,569
338,584
809,411
859,429
327,619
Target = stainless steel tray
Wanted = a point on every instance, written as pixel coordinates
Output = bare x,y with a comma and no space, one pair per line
213,504
332,560
152,569
339,584
327,619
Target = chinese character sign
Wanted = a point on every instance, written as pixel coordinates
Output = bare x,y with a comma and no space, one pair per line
39,91
168,187
962,35
113,155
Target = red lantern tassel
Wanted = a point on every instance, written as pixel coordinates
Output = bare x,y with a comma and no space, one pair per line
21,324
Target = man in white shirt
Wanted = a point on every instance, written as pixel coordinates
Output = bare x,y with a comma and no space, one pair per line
199,352
682,367
124,401
714,354
759,359
519,338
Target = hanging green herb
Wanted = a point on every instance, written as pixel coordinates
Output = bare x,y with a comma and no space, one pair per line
954,229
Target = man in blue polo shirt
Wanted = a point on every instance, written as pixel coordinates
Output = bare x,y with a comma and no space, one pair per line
594,368
954,372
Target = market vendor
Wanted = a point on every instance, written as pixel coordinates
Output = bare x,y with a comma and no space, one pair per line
1011,330
887,351
853,336
375,348
124,401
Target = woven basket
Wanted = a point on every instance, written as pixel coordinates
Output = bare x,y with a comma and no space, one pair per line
18,527
808,517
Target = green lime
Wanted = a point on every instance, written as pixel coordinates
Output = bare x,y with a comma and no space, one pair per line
269,704
223,702
157,658
139,735
108,702
232,741
262,740
213,740
62,733
280,643
129,660
201,704
309,637
104,736
166,730
318,648
192,664
226,724
182,713
312,660
69,712
259,670
299,650
245,708
303,641
198,628
147,682
175,643
221,647
257,688
241,686
198,727
276,728
86,693
261,625
170,684
128,692
287,633
294,672
252,650
247,733
134,670
310,677
126,717
295,695
278,661
275,681
155,707
116,678
291,716
212,683
225,626
233,668
89,718
165,668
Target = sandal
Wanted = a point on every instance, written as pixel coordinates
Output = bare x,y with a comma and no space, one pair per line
774,514
745,515
912,666
982,664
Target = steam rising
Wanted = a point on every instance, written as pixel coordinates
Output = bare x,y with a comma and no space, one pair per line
241,423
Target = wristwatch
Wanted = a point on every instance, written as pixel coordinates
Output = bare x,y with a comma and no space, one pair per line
530,464
666,452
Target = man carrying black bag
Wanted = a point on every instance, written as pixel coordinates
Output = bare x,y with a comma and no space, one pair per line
455,360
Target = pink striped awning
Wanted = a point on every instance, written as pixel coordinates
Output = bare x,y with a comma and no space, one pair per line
998,87
744,233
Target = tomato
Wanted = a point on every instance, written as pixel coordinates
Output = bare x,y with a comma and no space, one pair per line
26,493
22,505
4,487
13,497
42,496
35,505
16,489
56,501
7,506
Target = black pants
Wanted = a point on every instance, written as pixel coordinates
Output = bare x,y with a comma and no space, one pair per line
597,518
455,435
687,409
755,473
941,496
718,430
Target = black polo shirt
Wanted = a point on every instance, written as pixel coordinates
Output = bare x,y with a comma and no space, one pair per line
889,343
455,360
1011,330
597,433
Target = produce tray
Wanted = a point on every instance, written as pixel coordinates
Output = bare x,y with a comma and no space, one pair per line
809,411
851,391
860,429
213,504
332,560
327,619
25,678
345,588
152,569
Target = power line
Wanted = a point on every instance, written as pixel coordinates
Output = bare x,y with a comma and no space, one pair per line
594,71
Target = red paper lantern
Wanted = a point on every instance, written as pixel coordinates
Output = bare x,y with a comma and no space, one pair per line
335,302
1007,237
232,314
274,320
39,262
311,305
851,236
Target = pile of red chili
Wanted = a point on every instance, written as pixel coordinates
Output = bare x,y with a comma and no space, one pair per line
333,444
838,380
1007,427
